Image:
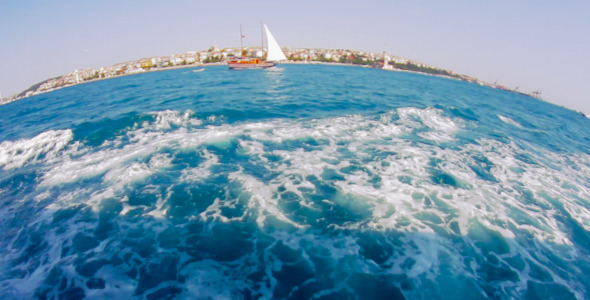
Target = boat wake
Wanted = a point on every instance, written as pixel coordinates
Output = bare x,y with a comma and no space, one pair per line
395,203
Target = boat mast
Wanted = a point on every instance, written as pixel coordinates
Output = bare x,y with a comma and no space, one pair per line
261,40
241,43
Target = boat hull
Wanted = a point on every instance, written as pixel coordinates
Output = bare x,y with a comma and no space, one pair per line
260,65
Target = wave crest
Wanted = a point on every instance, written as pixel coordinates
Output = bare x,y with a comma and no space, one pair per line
15,154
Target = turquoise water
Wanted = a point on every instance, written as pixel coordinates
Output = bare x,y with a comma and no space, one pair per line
296,182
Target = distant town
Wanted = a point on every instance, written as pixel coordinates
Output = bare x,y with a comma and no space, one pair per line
216,56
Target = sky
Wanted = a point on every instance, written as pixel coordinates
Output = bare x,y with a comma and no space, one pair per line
519,43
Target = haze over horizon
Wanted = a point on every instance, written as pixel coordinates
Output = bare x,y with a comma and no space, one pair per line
530,45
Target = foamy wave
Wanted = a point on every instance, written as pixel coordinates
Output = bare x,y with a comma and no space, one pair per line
15,154
464,192
406,179
165,119
441,128
509,121
137,155
112,158
483,189
352,173
430,117
211,280
475,182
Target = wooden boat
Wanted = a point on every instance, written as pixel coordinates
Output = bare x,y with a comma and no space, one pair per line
274,55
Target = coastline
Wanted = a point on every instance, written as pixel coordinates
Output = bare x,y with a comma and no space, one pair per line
137,67
17,97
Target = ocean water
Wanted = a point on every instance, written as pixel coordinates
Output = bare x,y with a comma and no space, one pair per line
298,182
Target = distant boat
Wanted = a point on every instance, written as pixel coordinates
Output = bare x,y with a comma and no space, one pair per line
198,70
274,55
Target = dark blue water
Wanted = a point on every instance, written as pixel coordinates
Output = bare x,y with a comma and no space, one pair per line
297,182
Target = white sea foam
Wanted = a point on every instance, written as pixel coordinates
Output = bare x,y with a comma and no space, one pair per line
486,201
15,154
442,128
165,119
509,120
140,158
475,198
406,198
202,171
110,158
210,280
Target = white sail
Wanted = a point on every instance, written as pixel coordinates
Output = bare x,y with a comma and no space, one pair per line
274,50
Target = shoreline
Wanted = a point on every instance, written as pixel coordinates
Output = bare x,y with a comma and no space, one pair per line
29,93
14,98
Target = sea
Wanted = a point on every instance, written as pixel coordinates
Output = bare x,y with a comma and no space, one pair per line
295,182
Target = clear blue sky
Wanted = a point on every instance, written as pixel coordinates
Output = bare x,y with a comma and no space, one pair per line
530,44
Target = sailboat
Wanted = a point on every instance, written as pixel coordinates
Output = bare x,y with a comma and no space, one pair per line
274,55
